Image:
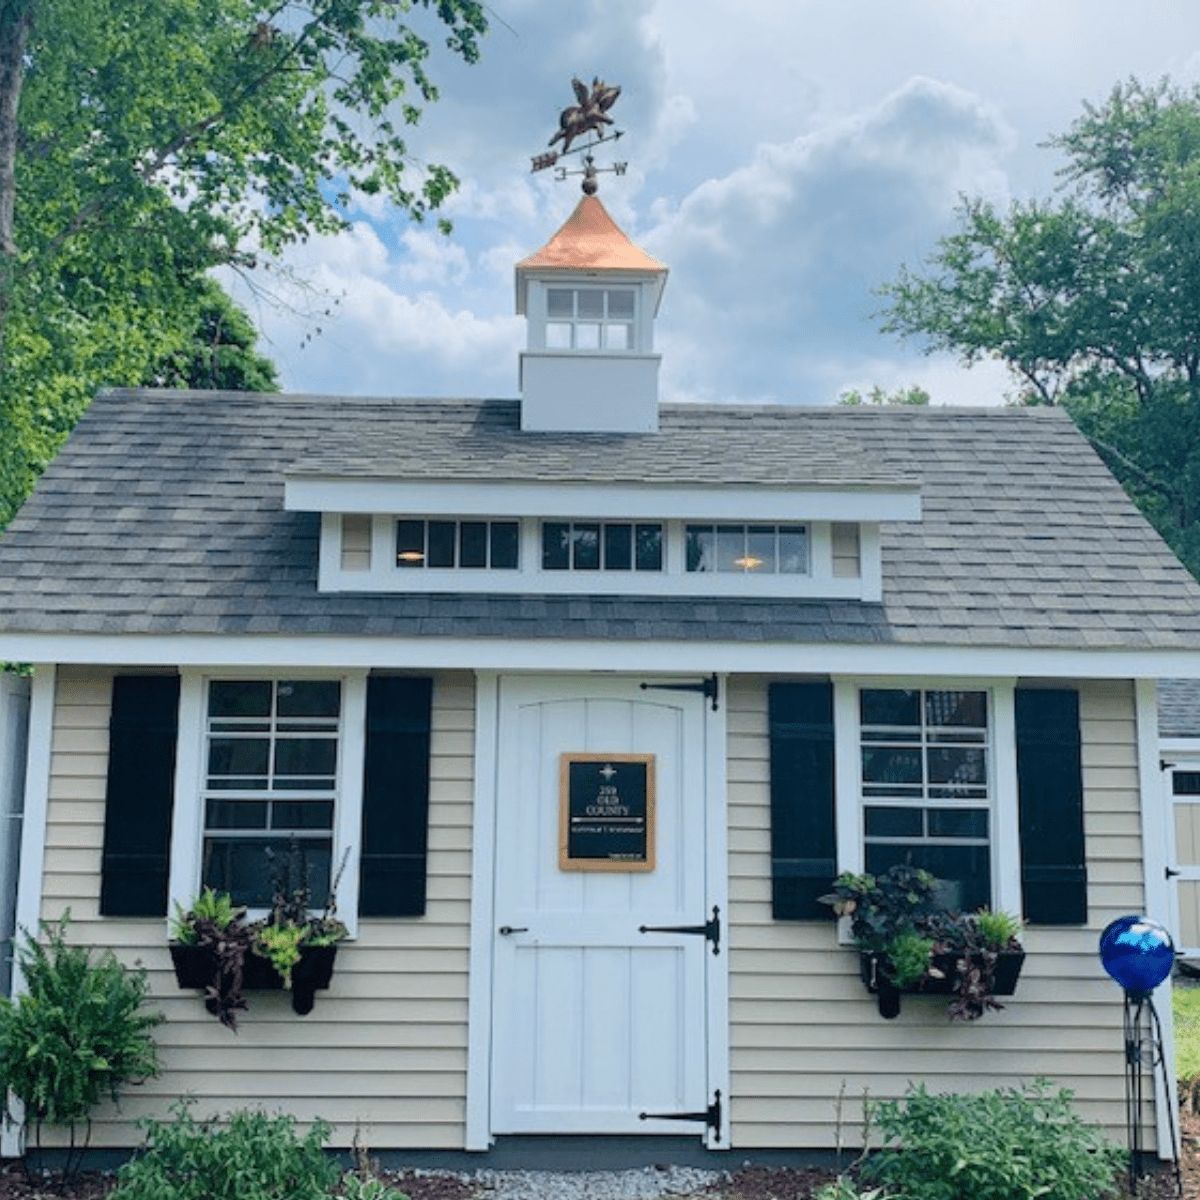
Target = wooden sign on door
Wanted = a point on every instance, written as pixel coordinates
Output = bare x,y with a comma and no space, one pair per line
606,812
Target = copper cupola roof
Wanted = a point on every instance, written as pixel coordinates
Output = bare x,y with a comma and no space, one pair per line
589,240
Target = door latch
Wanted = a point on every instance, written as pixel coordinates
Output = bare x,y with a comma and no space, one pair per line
506,930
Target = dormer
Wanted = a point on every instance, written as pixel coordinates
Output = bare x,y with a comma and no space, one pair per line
590,298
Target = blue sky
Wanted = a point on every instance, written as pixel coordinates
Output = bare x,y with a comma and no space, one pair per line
785,158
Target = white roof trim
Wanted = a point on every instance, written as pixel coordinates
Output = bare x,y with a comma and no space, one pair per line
511,654
507,498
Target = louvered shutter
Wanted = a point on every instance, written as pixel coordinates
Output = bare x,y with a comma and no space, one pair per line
803,844
1050,792
395,815
139,796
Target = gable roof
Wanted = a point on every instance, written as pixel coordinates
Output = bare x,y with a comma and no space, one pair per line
164,515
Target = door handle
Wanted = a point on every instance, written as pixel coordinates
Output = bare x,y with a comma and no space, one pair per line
506,930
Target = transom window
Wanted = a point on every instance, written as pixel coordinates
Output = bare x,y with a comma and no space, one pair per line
926,787
270,786
602,546
466,544
590,318
765,549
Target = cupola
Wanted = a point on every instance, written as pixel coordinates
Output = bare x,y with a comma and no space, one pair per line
590,298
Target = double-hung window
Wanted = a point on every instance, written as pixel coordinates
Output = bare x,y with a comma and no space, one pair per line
926,786
270,785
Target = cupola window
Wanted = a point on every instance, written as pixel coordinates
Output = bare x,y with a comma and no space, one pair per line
590,318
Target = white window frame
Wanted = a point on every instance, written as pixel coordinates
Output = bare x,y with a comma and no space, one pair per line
603,323
187,830
1002,776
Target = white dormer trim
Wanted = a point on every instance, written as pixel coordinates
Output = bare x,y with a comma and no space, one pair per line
711,501
381,574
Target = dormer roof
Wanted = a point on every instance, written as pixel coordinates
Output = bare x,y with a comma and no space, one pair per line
589,241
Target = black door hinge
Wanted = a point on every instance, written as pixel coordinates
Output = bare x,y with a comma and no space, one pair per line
711,1116
710,930
708,687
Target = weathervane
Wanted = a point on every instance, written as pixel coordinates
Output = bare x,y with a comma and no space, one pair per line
589,116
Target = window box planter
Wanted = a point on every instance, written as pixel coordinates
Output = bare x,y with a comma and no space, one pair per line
875,970
196,967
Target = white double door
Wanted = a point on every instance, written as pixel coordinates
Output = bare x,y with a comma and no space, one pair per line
596,1019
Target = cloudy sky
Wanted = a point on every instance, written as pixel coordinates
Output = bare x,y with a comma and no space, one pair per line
785,157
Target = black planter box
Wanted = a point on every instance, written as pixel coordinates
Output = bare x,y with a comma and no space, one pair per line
195,968
874,968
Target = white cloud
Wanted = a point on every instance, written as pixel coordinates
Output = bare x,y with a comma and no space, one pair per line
785,158
775,266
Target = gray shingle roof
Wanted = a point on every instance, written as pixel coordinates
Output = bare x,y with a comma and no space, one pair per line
164,514
442,440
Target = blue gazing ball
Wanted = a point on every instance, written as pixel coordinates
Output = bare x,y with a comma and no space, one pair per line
1137,952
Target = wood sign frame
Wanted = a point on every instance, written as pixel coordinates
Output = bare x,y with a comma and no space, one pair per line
606,812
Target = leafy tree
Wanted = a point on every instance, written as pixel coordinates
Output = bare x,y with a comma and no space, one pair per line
221,354
143,142
1092,299
914,395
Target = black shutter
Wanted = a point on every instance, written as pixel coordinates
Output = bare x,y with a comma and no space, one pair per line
395,816
139,798
1050,794
803,846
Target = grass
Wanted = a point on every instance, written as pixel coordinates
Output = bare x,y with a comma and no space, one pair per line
1185,1002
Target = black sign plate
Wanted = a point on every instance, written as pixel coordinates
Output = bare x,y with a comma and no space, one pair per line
607,813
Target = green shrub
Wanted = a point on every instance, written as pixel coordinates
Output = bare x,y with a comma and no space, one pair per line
844,1188
76,1034
252,1157
1010,1144
362,1187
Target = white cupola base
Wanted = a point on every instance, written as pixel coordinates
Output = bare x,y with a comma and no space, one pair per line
590,297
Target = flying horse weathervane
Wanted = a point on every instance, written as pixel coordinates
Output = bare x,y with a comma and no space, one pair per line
588,117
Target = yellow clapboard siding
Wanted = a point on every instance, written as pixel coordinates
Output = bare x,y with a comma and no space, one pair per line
387,1047
803,1026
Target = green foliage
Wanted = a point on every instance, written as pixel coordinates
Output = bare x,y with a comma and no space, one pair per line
77,1033
1009,1144
844,1188
882,907
211,906
281,945
897,917
998,930
1185,1003
251,1157
913,396
363,1187
214,922
156,141
1093,299
909,954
